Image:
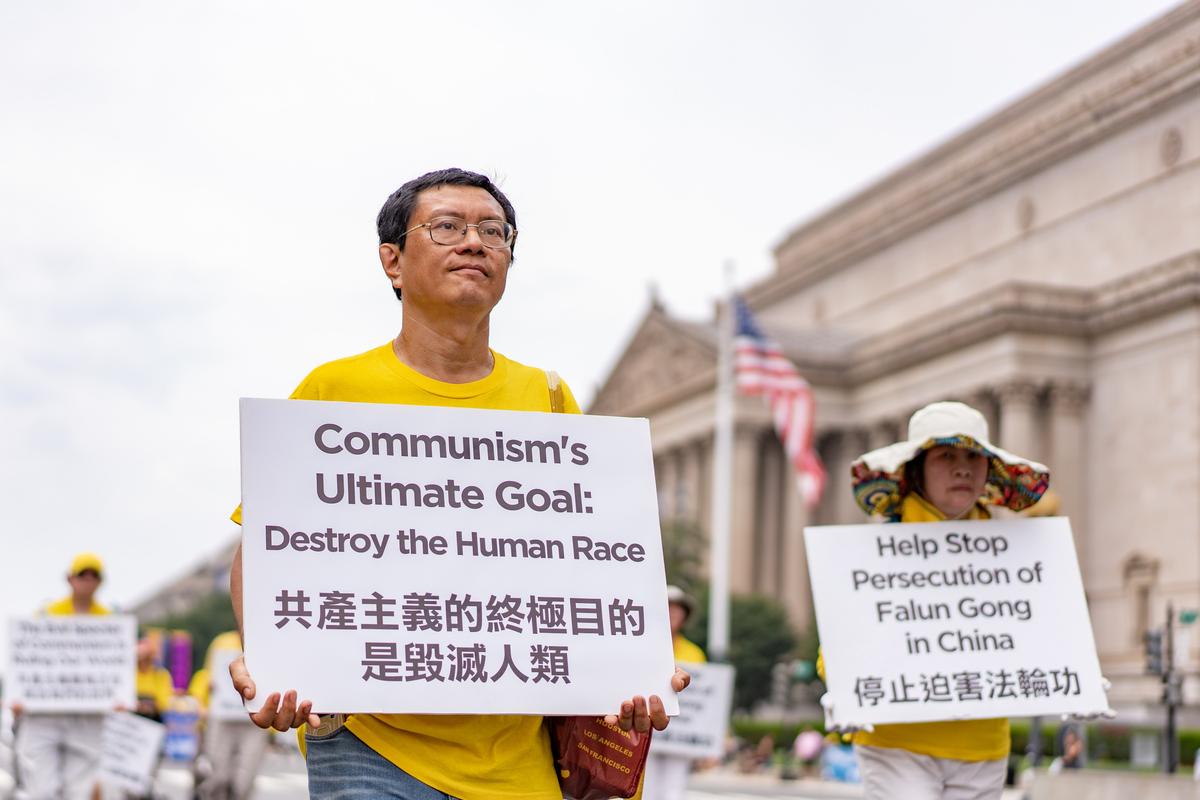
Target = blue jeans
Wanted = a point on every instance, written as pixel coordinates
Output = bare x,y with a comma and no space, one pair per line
341,767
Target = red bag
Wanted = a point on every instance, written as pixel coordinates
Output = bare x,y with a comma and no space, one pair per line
595,760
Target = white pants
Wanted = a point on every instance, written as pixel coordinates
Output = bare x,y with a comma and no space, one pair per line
889,773
234,748
59,755
666,776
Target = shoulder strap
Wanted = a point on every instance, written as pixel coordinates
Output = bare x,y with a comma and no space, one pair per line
558,403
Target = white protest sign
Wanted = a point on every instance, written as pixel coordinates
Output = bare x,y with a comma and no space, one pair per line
953,620
131,746
81,663
223,700
446,560
699,730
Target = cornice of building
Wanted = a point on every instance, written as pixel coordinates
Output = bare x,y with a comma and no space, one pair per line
1028,308
1133,78
1018,307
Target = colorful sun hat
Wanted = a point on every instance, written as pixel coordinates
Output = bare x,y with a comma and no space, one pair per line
878,479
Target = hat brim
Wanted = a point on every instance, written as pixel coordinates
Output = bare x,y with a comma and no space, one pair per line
879,482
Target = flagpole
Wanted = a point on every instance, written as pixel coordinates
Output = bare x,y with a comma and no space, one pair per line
722,480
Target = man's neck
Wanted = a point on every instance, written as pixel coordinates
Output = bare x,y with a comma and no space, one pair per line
452,350
81,604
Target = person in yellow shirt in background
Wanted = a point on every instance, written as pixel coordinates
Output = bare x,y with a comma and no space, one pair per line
153,683
666,775
60,753
231,750
446,243
945,470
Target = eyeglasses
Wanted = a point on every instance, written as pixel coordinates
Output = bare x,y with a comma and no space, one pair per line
452,230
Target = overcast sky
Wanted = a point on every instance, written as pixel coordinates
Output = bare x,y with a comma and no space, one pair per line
188,194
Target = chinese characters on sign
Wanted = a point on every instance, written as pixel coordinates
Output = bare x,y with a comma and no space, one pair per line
949,620
967,686
452,560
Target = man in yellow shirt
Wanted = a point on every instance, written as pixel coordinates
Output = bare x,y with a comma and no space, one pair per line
60,753
666,775
445,243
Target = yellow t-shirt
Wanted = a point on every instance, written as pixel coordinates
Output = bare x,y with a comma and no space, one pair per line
229,640
964,740
199,686
65,608
473,757
201,683
155,683
688,651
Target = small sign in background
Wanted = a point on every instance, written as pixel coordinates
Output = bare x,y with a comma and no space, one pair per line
699,730
66,664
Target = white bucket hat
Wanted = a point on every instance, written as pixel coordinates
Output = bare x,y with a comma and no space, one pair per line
679,597
878,478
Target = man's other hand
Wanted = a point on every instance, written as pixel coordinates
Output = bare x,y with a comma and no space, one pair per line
275,714
639,715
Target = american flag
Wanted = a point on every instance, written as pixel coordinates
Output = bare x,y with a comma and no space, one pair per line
761,369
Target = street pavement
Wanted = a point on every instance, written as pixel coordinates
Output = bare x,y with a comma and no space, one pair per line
282,777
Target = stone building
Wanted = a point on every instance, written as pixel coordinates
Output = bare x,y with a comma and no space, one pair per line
1045,267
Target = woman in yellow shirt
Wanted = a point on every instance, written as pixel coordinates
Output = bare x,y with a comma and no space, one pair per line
945,470
154,686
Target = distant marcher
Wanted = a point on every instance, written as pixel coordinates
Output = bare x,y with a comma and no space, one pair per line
1072,747
666,775
945,470
231,749
153,684
60,753
807,749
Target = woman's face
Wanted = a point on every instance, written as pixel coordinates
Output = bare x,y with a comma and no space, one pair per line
954,479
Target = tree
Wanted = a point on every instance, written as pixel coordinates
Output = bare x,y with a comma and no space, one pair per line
683,552
759,636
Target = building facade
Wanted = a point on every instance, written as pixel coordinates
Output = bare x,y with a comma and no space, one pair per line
1043,266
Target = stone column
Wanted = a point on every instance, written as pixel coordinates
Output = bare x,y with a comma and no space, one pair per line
668,483
884,432
660,484
704,496
692,464
770,506
745,495
826,445
1068,461
680,493
1019,423
854,442
986,402
794,590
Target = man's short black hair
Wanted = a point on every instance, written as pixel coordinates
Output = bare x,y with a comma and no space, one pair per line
394,217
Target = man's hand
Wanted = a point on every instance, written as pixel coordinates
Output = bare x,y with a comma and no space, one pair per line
638,714
281,716
17,709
